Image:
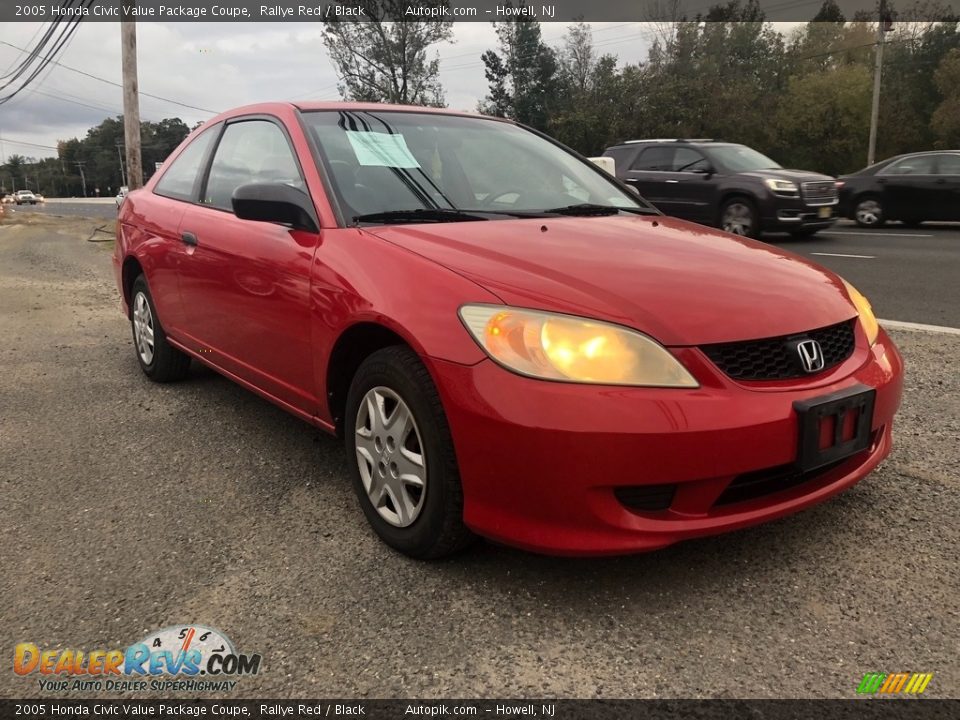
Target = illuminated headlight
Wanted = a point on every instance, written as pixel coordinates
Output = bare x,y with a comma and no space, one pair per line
782,187
571,349
869,321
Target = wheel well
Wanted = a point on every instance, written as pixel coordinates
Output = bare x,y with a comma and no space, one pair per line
354,346
730,195
131,271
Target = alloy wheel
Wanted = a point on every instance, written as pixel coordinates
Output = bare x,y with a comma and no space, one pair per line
391,457
869,212
143,328
738,219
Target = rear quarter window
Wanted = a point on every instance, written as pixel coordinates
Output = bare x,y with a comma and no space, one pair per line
181,181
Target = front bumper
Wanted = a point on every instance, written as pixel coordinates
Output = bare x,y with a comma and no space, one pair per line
540,461
785,214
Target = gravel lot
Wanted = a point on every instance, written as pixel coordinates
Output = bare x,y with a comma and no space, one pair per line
128,506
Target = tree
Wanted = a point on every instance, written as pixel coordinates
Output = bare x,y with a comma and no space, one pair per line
382,60
945,122
522,75
823,120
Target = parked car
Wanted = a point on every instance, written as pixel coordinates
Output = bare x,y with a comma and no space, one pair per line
39,198
910,188
23,197
726,185
510,343
121,194
8,199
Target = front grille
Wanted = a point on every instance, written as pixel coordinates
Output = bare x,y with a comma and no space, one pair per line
819,193
777,358
646,497
759,483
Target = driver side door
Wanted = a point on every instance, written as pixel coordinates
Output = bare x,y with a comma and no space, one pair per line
245,285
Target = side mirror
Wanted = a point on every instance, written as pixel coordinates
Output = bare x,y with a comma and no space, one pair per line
705,171
276,203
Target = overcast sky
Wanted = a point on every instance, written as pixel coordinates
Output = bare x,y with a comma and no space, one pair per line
217,66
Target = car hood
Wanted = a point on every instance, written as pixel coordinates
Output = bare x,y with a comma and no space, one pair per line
681,283
788,174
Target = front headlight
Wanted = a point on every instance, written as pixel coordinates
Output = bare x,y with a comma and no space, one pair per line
562,347
783,187
870,325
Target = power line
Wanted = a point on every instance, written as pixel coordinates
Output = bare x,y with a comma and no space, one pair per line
29,67
116,84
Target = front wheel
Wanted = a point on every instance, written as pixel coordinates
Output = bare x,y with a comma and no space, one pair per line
739,217
868,213
401,456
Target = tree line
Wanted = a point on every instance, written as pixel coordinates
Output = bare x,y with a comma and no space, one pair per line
95,163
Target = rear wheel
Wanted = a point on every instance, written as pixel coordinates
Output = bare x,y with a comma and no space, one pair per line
739,217
159,360
401,456
868,212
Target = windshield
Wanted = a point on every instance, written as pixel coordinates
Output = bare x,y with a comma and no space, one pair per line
740,158
389,162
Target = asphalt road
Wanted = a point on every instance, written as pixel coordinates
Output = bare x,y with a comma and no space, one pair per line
65,208
909,274
129,506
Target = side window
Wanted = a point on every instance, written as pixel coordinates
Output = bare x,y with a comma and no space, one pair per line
655,159
689,160
250,151
948,164
919,165
180,180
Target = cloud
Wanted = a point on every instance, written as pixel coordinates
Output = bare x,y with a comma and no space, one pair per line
217,66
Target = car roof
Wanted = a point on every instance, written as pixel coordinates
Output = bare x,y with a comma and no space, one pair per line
272,108
679,141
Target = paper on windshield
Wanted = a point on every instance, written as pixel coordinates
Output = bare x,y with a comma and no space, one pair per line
381,149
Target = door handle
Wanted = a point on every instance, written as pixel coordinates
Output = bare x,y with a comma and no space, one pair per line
188,238
672,182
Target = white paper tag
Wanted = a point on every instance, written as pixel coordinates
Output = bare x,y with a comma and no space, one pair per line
381,149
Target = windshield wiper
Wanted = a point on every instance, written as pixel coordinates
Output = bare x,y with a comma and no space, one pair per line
586,209
418,215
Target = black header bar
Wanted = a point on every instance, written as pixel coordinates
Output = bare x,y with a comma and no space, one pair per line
457,11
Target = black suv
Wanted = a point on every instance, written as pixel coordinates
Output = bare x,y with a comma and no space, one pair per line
726,185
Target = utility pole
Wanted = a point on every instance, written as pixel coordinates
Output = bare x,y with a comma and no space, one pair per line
123,175
83,178
131,96
884,25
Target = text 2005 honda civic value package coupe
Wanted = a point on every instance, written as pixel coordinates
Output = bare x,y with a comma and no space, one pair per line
511,343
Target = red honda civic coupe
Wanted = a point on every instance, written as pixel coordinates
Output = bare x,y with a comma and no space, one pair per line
511,343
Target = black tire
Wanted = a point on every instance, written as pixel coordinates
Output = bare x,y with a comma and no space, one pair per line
745,210
167,363
868,212
438,530
801,234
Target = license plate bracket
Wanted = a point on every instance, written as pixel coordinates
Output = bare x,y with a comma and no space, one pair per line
834,409
826,212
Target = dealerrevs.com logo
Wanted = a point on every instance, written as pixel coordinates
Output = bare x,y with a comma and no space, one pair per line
180,657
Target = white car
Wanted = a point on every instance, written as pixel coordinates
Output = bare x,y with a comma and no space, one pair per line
25,196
